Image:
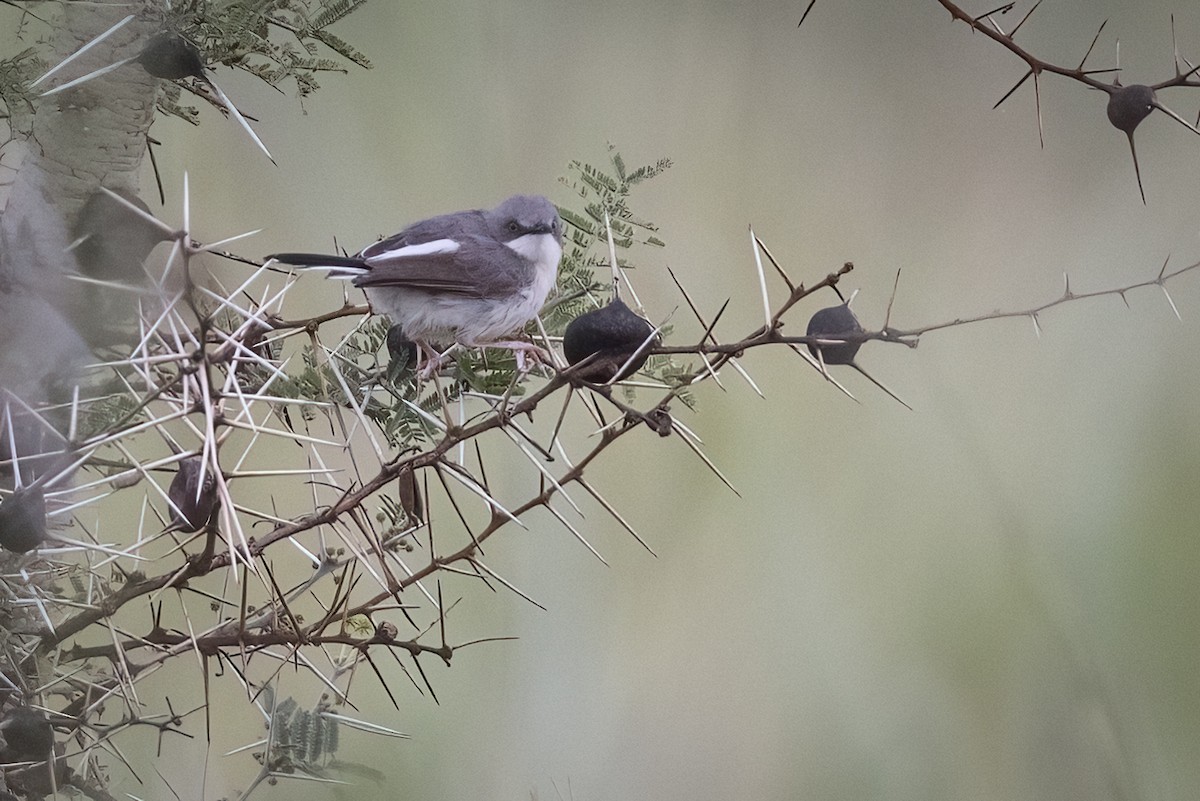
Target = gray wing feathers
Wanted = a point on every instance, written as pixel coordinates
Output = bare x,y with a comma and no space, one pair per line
480,267
445,226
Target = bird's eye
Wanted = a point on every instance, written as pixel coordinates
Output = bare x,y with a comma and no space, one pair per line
512,226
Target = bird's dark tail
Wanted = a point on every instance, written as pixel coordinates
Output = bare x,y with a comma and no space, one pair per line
340,266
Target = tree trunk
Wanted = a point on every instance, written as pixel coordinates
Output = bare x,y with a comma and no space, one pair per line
78,140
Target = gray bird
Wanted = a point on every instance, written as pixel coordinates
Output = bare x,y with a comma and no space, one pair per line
473,277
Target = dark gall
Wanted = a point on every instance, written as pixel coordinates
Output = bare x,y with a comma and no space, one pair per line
1129,105
832,322
171,57
608,337
28,735
192,510
114,240
23,520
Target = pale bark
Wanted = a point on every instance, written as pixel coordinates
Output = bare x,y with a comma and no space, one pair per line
80,139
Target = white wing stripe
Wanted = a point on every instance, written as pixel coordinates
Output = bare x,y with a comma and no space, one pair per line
336,272
438,247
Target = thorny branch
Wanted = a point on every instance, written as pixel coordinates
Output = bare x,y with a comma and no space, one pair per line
203,370
437,456
1127,105
210,376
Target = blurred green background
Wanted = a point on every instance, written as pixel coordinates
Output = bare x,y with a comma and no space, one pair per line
993,596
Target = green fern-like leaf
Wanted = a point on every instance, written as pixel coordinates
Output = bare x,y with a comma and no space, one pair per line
169,103
342,48
332,12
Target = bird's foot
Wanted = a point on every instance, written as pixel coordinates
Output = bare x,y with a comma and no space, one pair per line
431,361
527,354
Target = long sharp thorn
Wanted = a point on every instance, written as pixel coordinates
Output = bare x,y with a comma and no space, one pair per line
353,403
382,680
1192,70
647,343
608,507
804,16
887,318
1174,46
1174,308
85,78
871,378
333,688
1004,9
1136,170
819,365
707,462
73,427
746,377
716,319
237,116
187,207
577,535
504,581
762,281
691,304
708,327
150,143
1095,39
441,614
710,372
1175,117
84,49
223,242
463,478
537,463
363,725
424,678
791,287
1015,87
732,362
1029,14
1037,96
146,216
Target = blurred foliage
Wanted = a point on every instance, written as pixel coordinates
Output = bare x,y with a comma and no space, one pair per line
276,41
301,739
601,192
110,413
238,34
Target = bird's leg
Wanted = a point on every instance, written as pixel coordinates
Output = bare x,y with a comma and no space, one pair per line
521,351
431,361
